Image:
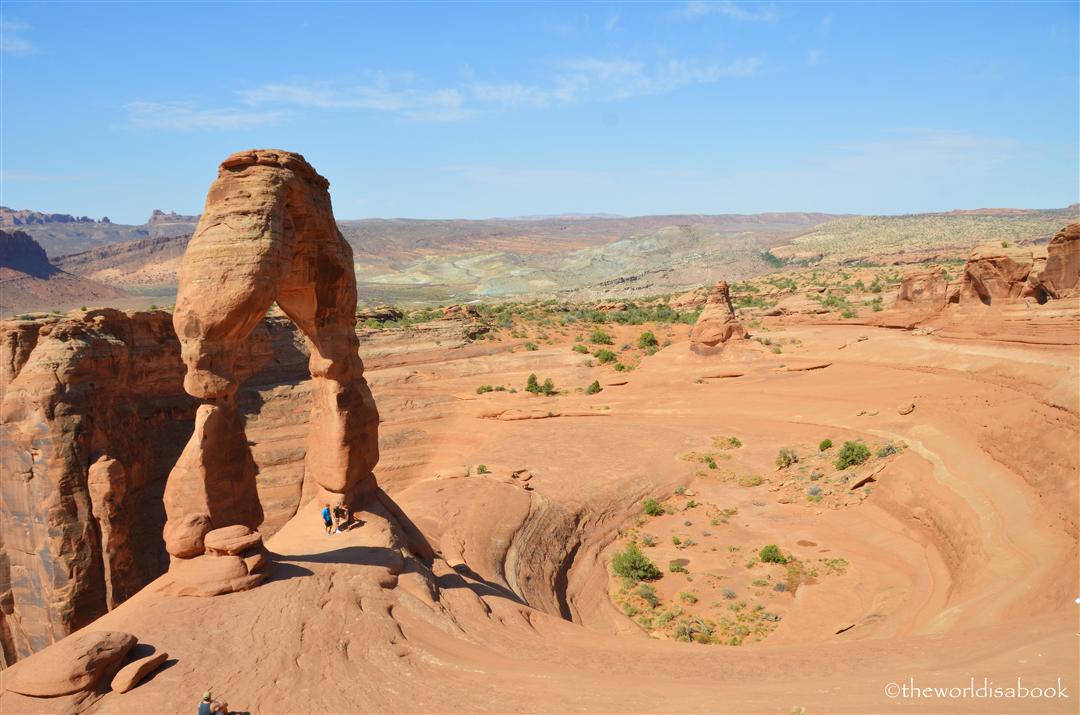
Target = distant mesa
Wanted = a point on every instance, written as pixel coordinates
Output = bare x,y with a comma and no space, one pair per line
159,217
25,217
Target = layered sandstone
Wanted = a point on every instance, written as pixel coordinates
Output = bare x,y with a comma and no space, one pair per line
93,416
1060,277
717,324
267,235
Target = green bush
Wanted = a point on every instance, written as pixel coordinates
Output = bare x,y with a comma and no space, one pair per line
548,388
484,388
531,385
482,469
786,458
599,337
604,356
581,349
531,346
770,554
633,565
648,540
824,444
648,593
653,507
850,454
593,388
676,567
647,340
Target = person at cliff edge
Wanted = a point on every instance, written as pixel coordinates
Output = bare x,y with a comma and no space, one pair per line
328,520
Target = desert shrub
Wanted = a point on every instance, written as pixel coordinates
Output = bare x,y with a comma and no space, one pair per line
647,340
482,469
604,356
633,565
816,475
531,346
676,567
1004,244
850,454
593,388
824,444
786,458
532,385
770,554
729,594
675,539
750,480
599,337
734,442
780,587
581,349
548,388
814,490
688,597
648,540
484,388
848,313
653,507
709,461
619,367
648,593
886,451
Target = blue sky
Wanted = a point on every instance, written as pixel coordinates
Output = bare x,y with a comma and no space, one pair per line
478,110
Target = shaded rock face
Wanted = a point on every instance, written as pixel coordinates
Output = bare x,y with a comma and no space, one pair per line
1060,277
717,324
20,252
996,274
93,417
267,235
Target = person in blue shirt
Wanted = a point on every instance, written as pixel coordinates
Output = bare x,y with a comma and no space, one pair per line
328,519
204,706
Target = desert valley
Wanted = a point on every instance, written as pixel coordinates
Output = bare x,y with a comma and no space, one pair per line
619,358
849,466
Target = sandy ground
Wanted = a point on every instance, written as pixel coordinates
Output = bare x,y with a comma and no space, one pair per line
960,557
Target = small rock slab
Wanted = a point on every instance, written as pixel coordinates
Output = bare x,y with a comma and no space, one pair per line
71,665
231,540
130,675
906,408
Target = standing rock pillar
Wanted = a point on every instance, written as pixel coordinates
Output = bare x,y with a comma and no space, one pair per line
267,235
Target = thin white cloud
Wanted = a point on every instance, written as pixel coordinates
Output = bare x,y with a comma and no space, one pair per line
12,41
761,13
611,23
572,81
186,116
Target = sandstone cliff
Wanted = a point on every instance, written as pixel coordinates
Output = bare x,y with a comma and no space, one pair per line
93,417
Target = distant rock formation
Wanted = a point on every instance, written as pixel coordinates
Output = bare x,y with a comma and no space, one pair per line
25,217
267,235
1060,277
158,217
997,292
28,280
20,252
717,324
93,417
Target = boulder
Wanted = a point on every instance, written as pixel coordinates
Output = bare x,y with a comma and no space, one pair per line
211,575
231,540
184,537
71,665
132,673
906,408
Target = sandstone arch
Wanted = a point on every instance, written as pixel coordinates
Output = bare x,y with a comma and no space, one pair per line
267,235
